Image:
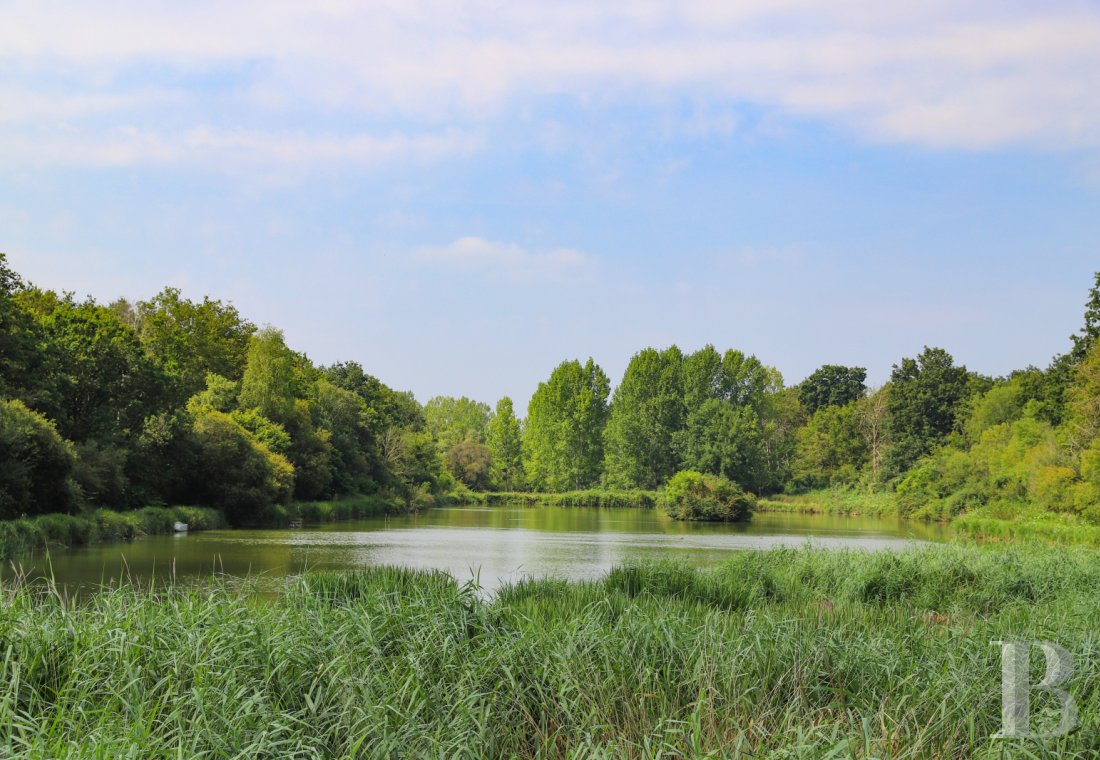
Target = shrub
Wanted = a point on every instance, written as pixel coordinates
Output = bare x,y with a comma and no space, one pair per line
36,464
242,475
691,495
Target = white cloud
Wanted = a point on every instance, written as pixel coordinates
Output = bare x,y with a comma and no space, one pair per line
130,146
506,259
969,74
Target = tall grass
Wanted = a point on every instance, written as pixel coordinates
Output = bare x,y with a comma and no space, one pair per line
588,498
30,534
834,501
352,508
785,654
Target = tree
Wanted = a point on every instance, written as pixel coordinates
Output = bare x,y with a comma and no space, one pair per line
356,464
18,336
872,411
1083,423
239,474
724,439
506,447
269,382
831,447
647,411
190,340
388,408
1084,340
470,462
454,420
832,385
926,396
101,384
566,418
35,464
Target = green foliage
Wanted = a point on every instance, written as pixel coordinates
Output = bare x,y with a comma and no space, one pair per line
470,462
270,383
705,411
18,338
453,420
191,340
1083,423
101,385
926,396
724,439
647,411
832,448
602,499
35,464
506,448
691,495
832,385
239,474
820,654
566,417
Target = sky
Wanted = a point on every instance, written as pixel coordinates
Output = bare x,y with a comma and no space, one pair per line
461,195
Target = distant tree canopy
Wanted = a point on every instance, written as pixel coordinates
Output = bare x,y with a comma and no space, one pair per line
563,441
704,411
926,396
505,438
832,385
186,402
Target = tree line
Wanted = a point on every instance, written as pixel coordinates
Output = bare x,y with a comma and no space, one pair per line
173,401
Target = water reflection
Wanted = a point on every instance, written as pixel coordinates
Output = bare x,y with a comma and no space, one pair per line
492,544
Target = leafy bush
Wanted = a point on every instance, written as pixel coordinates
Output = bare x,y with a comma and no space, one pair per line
691,495
35,464
242,474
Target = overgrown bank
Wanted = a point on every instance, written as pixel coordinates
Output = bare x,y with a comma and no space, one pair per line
586,498
790,653
30,534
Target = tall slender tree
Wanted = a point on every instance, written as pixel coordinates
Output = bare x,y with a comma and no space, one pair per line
566,417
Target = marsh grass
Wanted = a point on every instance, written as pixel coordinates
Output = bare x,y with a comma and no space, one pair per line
786,654
30,534
589,498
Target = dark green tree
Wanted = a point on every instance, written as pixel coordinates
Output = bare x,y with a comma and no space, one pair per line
926,397
190,340
832,385
101,385
35,464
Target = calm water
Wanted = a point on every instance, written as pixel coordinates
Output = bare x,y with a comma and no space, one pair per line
494,544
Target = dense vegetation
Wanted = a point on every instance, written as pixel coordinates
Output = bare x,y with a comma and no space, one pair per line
122,405
785,654
691,495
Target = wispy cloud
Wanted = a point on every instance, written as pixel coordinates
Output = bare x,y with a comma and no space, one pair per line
506,259
133,146
957,74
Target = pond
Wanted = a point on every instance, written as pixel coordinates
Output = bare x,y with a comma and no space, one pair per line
489,544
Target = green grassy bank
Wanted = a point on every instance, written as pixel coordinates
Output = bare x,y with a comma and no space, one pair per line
587,498
779,654
29,534
995,522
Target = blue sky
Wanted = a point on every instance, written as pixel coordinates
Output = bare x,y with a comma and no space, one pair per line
460,195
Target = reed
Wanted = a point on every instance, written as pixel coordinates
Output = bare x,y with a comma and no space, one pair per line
789,653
